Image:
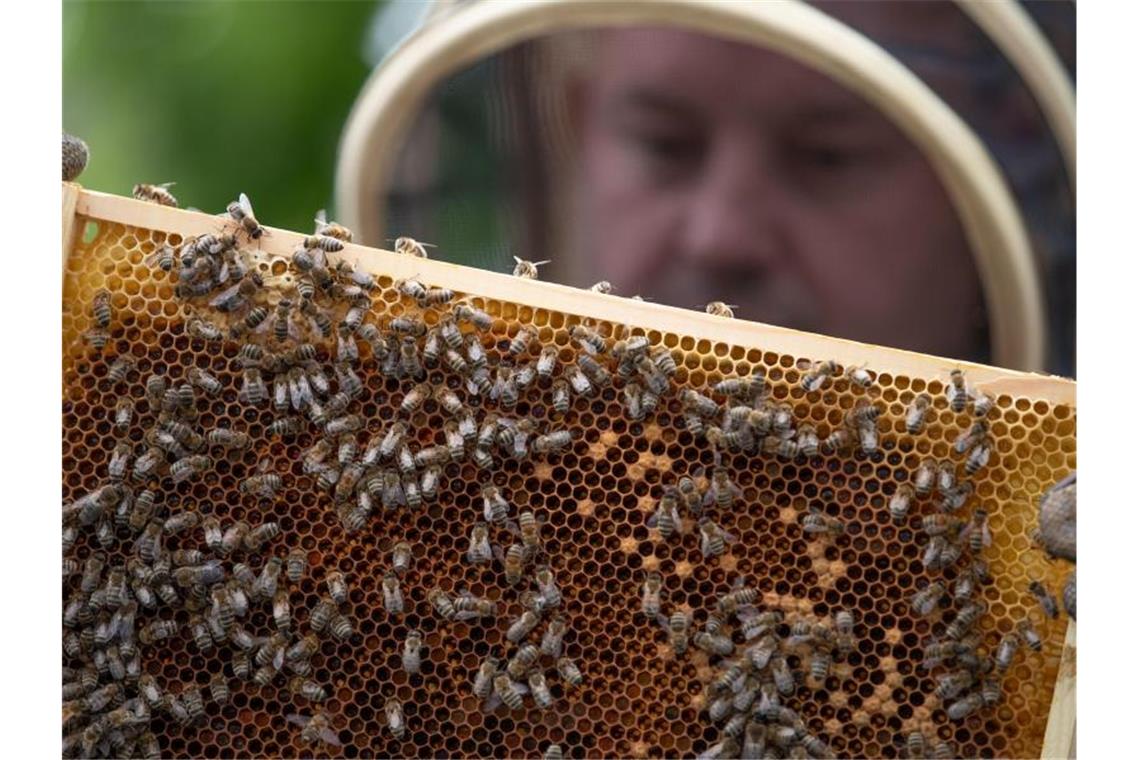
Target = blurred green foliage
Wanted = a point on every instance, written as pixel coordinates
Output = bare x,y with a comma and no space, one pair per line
220,97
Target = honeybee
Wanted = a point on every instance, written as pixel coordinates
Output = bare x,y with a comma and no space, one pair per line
677,628
712,643
408,246
393,597
526,656
925,476
666,519
591,341
552,638
807,441
722,491
401,557
119,369
954,499
295,563
465,312
554,751
547,586
900,502
1029,635
956,392
782,674
569,671
513,562
1069,595
940,524
157,631
469,607
966,617
411,655
926,600
337,587
965,706
860,377
266,585
507,692
983,404
528,270
429,482
253,390
633,393
838,441
265,485
817,522
974,435
341,627
979,532
713,538
539,690
156,194
495,507
316,727
651,595
1006,650
552,442
258,537
978,457
820,664
522,340
916,413
689,494
442,603
1047,601
484,677
522,626
819,375
720,309
950,685
560,396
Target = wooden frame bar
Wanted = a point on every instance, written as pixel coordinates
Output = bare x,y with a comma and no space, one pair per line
1060,733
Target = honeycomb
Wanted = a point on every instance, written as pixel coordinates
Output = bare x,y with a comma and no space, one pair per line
593,502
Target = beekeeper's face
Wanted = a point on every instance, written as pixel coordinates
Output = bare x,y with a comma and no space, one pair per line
716,170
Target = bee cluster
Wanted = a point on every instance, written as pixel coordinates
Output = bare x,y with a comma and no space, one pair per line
400,485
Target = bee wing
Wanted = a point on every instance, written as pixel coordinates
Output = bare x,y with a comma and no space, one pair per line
653,520
987,537
663,621
498,552
299,720
513,527
330,736
521,688
710,496
224,296
279,658
321,219
166,185
729,538
492,703
243,201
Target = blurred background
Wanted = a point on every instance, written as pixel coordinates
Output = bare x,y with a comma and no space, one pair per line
220,97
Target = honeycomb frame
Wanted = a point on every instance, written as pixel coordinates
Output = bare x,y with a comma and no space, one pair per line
1036,441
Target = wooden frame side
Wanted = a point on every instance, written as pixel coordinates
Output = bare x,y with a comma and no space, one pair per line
583,303
71,195
1061,731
